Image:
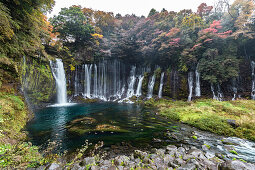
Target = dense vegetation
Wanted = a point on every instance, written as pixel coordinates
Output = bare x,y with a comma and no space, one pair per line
229,118
216,39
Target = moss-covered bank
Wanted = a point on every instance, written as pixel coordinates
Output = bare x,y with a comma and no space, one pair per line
230,118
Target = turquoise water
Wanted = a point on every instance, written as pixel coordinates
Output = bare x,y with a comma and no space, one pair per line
111,123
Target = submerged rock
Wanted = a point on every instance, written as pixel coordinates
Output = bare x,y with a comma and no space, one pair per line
236,164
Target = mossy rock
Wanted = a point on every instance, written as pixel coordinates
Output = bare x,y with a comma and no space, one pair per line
98,128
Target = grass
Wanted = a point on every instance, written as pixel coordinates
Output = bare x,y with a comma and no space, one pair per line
212,115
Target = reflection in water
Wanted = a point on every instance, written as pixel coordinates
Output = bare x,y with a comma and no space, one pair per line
58,126
115,123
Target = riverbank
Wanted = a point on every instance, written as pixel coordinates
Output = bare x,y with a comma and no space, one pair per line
189,147
229,118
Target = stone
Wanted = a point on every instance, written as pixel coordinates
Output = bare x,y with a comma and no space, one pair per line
188,166
76,166
236,164
140,154
181,150
171,148
168,158
153,156
88,161
94,167
179,161
209,155
195,152
160,152
121,160
232,123
41,168
54,166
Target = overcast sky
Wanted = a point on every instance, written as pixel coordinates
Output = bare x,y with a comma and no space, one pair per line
137,7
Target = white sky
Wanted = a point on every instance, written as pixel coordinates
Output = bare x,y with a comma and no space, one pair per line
137,7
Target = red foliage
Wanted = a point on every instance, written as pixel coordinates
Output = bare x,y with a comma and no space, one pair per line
174,42
213,30
173,31
196,45
203,9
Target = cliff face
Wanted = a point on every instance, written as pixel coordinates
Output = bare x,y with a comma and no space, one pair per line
38,83
115,81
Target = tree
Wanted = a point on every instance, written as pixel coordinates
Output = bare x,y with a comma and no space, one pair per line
152,12
73,28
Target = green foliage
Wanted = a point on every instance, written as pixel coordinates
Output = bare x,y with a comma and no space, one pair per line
73,27
211,115
19,156
152,12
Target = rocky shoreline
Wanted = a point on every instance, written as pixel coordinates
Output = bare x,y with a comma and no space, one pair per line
170,157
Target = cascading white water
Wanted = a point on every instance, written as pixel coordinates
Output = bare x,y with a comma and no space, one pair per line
131,83
219,95
59,75
139,86
190,82
213,92
161,85
87,82
253,80
197,89
151,86
95,95
76,84
234,88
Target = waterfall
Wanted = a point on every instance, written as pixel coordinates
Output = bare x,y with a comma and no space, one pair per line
59,75
131,83
95,95
234,88
190,82
161,85
219,95
253,80
139,86
87,83
76,84
197,89
151,86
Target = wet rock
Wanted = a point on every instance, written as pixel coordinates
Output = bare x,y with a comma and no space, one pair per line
54,166
121,160
236,164
205,148
195,152
170,148
76,166
172,165
88,161
41,168
181,150
94,167
160,152
140,154
167,159
153,156
208,164
188,166
106,162
179,161
147,161
209,155
120,167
